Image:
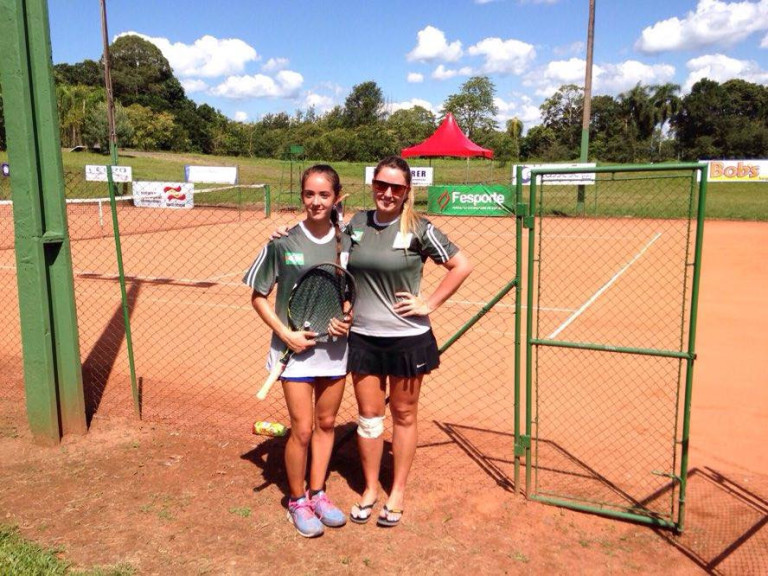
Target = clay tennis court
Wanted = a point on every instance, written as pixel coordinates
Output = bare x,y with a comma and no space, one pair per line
199,352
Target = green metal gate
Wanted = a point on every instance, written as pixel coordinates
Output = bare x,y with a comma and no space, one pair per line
612,289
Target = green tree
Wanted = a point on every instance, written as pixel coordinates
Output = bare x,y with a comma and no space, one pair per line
410,126
96,129
364,106
87,73
142,75
74,101
561,113
473,107
606,131
666,104
701,120
151,130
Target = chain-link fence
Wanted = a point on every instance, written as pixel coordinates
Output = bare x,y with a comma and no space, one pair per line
11,371
613,284
199,349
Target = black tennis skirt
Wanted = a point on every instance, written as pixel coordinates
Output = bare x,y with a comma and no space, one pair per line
403,356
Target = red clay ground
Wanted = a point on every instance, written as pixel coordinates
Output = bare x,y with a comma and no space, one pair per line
168,500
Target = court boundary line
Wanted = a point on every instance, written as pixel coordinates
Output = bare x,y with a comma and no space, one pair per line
603,288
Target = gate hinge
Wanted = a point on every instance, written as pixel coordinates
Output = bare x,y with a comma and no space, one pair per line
522,444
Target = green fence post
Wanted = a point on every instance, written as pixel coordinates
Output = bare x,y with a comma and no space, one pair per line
52,370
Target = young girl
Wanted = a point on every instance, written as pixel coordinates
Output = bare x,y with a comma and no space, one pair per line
318,368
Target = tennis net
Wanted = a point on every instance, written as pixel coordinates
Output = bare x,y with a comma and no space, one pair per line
90,218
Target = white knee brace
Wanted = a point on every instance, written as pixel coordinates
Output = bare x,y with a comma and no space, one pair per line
370,427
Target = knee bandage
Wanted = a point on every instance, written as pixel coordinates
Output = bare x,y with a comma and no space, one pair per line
370,427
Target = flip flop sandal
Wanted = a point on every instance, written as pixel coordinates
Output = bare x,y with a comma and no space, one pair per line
361,514
383,519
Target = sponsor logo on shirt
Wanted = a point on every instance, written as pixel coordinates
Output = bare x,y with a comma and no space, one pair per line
294,258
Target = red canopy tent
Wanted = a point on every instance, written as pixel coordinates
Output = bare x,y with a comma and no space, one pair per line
447,140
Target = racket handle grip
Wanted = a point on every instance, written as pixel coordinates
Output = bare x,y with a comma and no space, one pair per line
277,370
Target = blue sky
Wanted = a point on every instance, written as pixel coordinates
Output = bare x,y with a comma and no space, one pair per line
248,58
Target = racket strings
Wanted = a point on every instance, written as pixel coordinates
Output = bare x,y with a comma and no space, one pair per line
319,296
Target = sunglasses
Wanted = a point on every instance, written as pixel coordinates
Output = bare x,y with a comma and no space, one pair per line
381,187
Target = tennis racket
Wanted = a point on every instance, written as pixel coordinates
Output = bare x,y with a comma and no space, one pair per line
319,294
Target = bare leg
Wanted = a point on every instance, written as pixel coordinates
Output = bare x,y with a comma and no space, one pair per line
370,392
298,398
404,406
328,395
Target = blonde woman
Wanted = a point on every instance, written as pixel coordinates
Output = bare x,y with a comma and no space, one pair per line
391,343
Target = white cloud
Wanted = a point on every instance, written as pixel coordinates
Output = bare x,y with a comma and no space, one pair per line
412,103
606,78
275,64
443,73
241,116
504,56
193,85
712,23
616,78
546,81
525,110
431,45
415,78
286,84
207,57
572,48
319,102
721,68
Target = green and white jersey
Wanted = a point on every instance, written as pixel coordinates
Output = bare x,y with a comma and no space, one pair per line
383,262
282,262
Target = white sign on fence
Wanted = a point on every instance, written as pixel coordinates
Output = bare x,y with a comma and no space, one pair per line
583,178
211,174
163,194
419,176
97,173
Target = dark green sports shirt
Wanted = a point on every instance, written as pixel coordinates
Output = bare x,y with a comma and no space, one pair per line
383,262
282,262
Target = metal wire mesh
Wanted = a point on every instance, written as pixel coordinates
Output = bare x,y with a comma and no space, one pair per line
11,370
200,349
612,297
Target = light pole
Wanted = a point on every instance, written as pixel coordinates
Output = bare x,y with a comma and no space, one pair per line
587,99
108,85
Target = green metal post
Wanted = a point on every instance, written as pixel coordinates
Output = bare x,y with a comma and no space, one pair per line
518,309
123,292
267,201
52,370
691,350
529,334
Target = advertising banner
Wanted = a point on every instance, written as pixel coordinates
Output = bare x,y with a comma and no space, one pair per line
96,173
163,194
470,200
419,176
211,174
584,179
737,170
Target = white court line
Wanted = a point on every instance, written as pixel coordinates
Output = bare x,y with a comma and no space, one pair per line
237,274
605,287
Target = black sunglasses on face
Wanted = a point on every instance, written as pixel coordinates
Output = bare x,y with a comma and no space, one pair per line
381,187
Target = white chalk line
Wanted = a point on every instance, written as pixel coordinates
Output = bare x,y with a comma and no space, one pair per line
603,288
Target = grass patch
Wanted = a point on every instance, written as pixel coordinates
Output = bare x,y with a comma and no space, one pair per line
21,557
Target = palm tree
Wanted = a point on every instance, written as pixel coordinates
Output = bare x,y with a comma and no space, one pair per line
666,104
